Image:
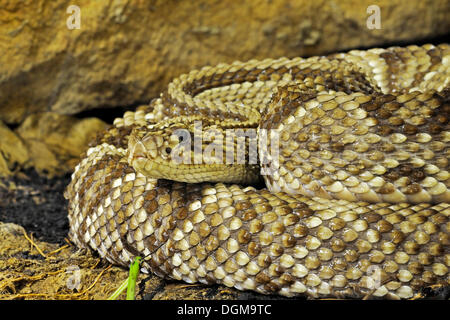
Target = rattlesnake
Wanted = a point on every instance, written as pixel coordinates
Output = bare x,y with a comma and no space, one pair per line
357,199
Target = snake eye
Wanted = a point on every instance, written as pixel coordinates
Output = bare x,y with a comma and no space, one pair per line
168,150
180,138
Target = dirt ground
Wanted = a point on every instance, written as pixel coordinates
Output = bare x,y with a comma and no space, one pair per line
37,261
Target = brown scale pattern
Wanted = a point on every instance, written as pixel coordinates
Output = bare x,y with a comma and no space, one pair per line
390,143
347,133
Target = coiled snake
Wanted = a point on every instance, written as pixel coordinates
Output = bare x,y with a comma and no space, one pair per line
357,198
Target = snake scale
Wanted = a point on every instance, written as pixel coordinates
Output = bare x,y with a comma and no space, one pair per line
356,201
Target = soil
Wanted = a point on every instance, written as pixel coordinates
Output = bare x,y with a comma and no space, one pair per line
37,261
37,204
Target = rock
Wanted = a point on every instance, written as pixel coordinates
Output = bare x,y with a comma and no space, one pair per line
44,160
55,142
4,170
125,52
12,150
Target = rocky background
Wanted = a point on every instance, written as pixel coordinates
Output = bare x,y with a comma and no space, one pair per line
59,86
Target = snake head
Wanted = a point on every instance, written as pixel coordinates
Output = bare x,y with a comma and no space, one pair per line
186,152
150,151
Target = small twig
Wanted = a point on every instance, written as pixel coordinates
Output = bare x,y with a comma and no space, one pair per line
34,244
417,296
31,242
371,292
59,249
189,285
96,263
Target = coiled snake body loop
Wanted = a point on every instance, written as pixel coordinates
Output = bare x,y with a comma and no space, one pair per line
357,198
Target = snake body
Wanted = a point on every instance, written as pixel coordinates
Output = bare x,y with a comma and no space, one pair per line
357,199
